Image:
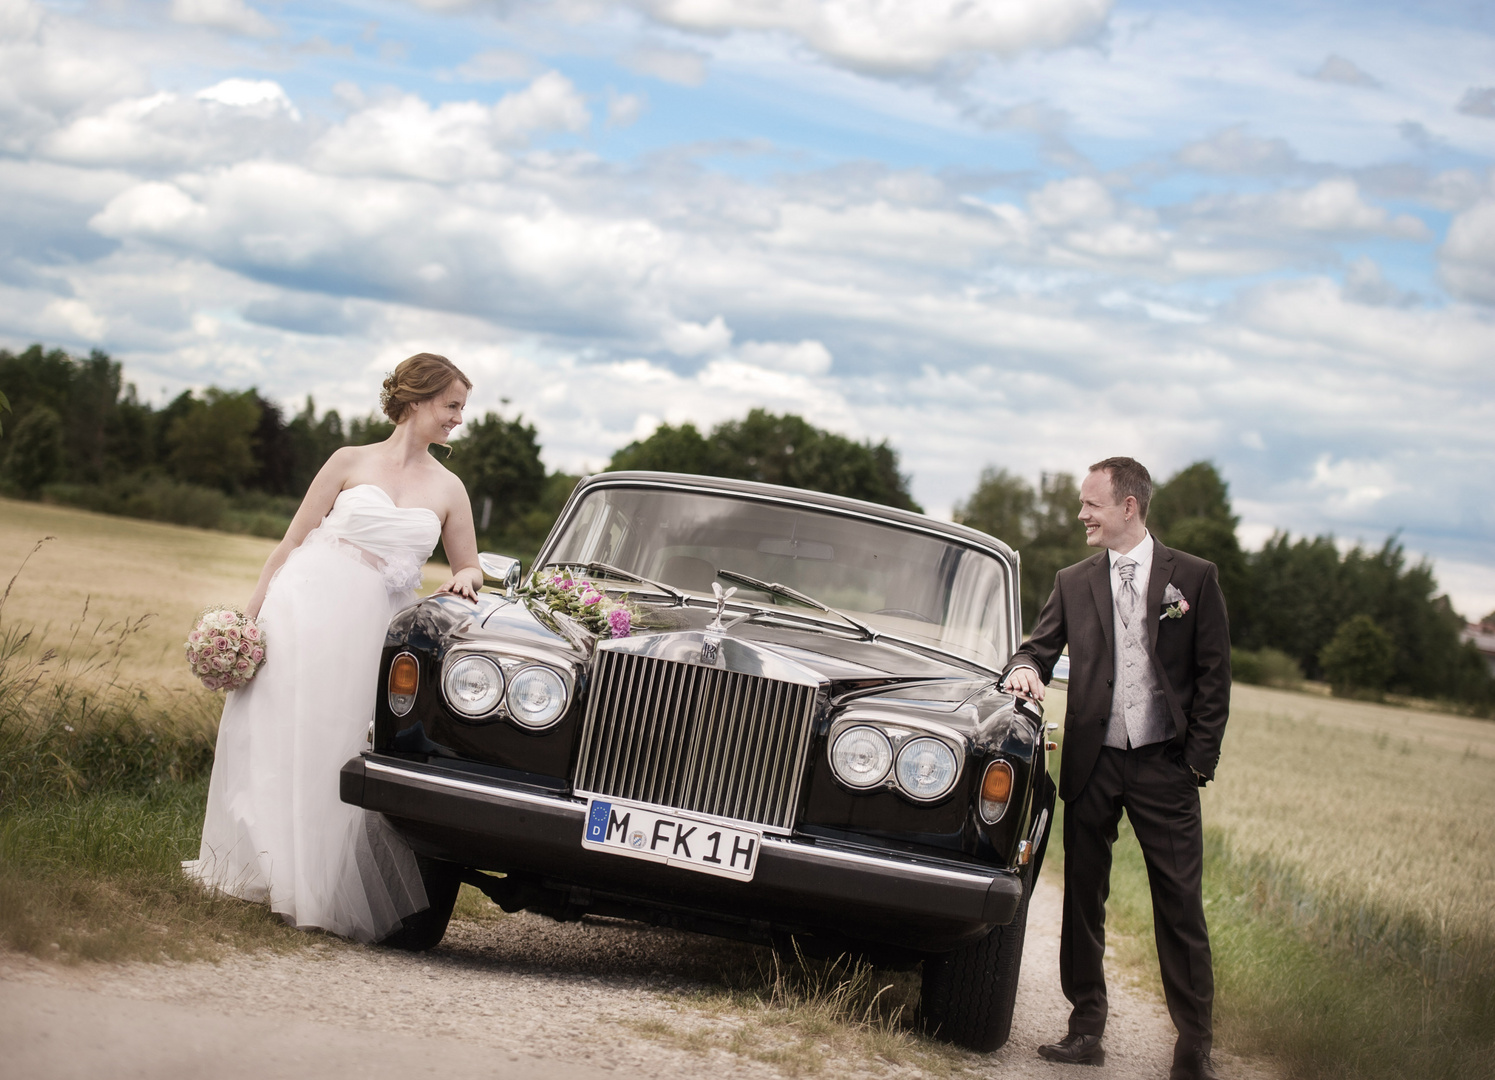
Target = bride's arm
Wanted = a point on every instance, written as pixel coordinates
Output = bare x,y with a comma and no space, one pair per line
460,540
314,507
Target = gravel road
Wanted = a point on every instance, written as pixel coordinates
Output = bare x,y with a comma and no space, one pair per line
517,997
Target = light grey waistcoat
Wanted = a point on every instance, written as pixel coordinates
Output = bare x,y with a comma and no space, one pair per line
1139,713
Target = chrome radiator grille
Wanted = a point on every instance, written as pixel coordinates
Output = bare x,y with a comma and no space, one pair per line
695,738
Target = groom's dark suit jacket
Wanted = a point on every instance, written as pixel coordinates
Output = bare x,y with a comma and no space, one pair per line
1191,656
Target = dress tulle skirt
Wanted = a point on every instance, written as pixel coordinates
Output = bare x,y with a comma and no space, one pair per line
275,829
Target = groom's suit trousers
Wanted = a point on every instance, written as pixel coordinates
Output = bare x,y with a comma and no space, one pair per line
1161,800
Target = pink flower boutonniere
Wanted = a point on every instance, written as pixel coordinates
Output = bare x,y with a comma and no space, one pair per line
1174,604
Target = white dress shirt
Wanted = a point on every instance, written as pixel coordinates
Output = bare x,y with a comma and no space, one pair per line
1142,555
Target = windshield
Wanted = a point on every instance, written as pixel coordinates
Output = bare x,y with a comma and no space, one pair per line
898,581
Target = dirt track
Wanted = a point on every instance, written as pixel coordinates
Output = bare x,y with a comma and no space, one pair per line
521,997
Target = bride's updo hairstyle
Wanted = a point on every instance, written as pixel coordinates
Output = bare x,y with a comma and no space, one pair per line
418,378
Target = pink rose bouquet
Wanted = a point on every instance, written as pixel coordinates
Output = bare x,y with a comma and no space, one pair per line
585,602
225,648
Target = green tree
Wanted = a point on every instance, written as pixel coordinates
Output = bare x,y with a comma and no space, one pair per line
1191,512
1358,657
312,442
499,462
680,449
775,449
34,453
212,441
1042,525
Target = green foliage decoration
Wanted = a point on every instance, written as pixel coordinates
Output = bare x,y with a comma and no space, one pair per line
1358,657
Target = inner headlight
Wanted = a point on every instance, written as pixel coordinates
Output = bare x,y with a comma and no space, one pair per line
473,685
537,697
861,756
926,768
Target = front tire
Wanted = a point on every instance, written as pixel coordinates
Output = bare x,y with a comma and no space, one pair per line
968,995
425,929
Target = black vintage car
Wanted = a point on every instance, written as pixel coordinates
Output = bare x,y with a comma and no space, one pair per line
801,736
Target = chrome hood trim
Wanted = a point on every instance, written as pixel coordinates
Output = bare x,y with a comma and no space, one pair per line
704,648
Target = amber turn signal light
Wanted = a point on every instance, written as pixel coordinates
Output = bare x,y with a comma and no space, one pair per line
996,790
404,677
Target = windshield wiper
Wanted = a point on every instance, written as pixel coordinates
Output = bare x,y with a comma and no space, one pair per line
773,587
624,575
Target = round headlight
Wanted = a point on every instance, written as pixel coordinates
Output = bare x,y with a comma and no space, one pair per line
473,685
537,697
926,768
861,756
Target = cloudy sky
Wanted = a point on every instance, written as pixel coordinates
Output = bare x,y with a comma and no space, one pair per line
1022,233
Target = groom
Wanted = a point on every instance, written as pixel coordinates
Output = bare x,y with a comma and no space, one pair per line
1149,692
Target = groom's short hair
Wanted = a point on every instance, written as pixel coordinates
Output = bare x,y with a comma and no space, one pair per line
1128,477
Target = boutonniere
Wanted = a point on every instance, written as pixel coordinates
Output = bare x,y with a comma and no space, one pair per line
1174,604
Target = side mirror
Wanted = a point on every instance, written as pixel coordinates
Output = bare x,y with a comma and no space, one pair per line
500,571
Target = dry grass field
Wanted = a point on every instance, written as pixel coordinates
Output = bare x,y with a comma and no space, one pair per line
124,569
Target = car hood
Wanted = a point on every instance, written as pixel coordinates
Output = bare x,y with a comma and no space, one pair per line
851,666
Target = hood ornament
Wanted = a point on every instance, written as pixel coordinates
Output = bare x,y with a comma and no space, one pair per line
721,604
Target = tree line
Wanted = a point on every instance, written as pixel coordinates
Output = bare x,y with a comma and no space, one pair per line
1364,619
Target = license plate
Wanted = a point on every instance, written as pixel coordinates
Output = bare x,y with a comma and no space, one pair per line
640,832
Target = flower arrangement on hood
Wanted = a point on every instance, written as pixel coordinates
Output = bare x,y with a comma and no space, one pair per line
586,602
225,648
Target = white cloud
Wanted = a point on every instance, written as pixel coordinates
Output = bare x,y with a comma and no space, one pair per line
684,66
697,339
235,16
1333,206
1478,101
623,110
1233,151
497,65
802,358
1336,69
406,136
879,37
1467,258
261,96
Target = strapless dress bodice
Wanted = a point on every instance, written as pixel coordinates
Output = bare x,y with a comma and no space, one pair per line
395,540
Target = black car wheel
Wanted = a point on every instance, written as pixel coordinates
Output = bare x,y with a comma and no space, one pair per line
425,929
968,994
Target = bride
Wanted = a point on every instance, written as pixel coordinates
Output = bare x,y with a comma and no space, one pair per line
275,829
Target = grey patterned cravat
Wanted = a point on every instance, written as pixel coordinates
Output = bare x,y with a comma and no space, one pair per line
1128,602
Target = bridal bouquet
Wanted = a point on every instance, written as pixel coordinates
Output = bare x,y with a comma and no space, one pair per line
585,602
225,649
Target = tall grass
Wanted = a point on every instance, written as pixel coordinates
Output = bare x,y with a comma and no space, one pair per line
101,796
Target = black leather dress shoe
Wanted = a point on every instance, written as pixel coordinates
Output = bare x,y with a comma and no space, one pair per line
1193,1064
1075,1050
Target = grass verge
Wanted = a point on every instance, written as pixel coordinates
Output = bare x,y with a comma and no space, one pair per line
102,792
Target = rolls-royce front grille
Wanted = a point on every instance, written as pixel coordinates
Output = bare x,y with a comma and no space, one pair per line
695,738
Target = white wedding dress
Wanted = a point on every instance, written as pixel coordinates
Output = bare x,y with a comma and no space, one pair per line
275,829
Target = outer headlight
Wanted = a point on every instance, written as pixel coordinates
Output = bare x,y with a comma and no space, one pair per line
473,685
861,756
537,697
926,768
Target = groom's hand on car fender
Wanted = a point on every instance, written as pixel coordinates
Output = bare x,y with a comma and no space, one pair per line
1025,683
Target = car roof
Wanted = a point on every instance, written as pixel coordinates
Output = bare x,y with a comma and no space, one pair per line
780,493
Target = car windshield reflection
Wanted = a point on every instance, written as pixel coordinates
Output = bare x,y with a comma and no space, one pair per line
899,581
